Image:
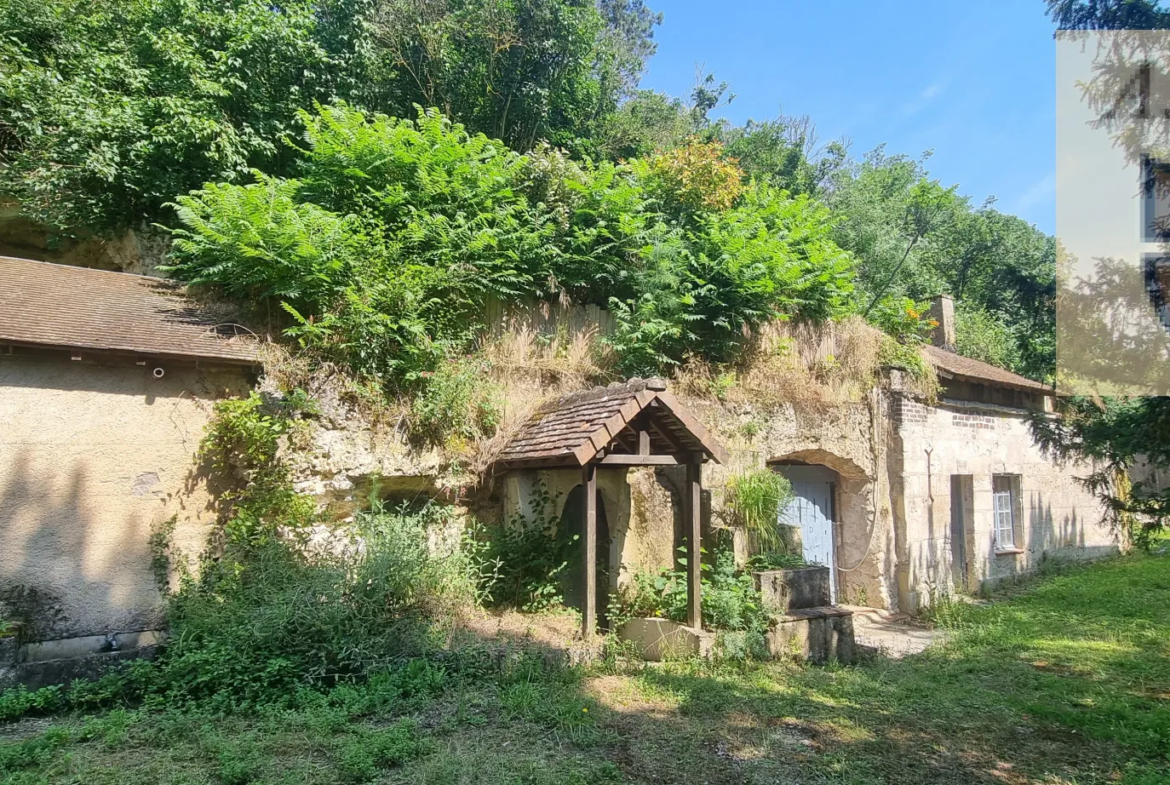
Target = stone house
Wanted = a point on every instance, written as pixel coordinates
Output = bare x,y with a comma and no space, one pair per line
108,379
905,499
106,382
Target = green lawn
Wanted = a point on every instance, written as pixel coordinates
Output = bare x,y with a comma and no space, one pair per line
1063,680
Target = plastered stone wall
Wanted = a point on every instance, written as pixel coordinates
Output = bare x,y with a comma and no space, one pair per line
849,438
1056,516
92,457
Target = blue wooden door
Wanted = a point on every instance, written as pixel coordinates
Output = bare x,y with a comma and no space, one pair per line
811,510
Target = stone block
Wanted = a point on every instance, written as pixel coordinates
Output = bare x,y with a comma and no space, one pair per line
804,587
9,648
817,635
662,639
34,675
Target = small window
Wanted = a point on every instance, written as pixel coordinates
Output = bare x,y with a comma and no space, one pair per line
1003,494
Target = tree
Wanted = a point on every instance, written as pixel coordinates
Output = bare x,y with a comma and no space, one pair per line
915,239
783,153
108,111
1108,14
112,109
1117,435
516,70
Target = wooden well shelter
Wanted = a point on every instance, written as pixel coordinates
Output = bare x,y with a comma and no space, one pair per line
632,424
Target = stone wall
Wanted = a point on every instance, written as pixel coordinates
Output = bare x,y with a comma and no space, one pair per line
847,438
894,457
1056,517
92,458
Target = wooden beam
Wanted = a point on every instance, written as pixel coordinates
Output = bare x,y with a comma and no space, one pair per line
692,512
621,459
589,523
666,436
714,448
643,441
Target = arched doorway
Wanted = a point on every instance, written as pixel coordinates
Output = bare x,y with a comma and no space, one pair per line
572,525
835,518
813,513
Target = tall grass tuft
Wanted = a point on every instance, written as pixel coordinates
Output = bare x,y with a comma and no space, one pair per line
754,499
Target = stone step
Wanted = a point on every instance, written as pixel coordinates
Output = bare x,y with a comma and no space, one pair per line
818,635
876,614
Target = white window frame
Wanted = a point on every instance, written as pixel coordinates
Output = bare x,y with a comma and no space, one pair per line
1003,497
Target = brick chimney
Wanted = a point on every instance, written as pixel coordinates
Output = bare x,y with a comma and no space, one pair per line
942,310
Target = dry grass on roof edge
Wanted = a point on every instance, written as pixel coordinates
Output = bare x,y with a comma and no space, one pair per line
813,367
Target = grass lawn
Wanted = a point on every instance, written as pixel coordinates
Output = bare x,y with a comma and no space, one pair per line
1062,680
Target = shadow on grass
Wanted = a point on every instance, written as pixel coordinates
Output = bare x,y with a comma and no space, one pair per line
1067,680
1059,682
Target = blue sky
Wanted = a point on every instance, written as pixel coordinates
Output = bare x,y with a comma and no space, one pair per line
972,81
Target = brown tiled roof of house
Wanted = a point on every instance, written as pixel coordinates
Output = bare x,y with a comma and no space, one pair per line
43,304
572,430
978,371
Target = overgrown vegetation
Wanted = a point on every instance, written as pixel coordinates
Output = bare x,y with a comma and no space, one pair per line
385,248
731,604
526,562
1058,679
383,236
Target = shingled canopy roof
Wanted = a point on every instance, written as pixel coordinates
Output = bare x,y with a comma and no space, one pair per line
978,371
53,305
632,423
635,423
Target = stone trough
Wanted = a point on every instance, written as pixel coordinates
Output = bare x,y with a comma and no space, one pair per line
808,626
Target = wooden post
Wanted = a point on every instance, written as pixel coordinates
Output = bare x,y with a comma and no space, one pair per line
589,524
692,511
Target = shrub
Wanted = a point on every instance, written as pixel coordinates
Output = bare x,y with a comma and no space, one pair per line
385,249
455,404
524,563
267,622
242,446
729,598
985,336
260,241
697,176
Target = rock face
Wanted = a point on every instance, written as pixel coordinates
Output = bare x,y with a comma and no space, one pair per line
138,251
345,457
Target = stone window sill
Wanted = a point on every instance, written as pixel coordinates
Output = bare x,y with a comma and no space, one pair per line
1009,551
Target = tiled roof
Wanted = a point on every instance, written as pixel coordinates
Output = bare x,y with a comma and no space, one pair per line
79,308
978,371
573,429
